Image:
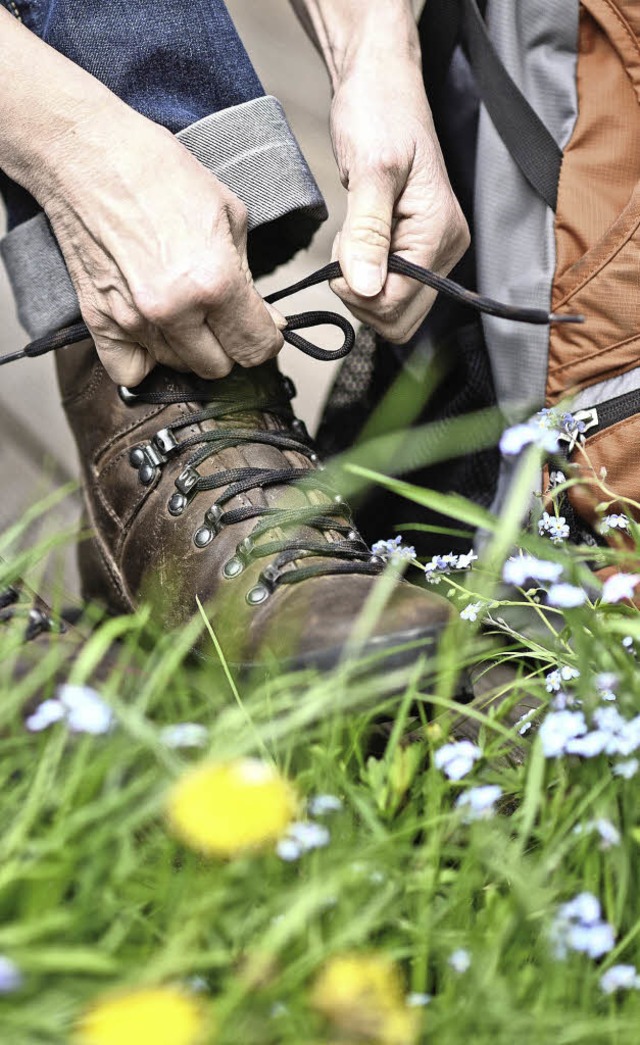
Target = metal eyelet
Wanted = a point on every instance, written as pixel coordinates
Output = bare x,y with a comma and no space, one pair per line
127,397
146,474
232,568
300,428
166,442
38,622
177,504
8,597
290,389
136,457
270,576
187,480
257,594
212,517
202,537
244,550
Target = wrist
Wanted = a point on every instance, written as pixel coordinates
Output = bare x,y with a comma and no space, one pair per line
380,33
48,121
81,144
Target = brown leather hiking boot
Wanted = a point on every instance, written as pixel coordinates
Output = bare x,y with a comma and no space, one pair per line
36,643
212,489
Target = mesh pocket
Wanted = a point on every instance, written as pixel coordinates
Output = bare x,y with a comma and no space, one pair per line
466,386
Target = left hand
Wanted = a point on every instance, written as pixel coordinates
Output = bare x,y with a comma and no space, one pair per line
399,196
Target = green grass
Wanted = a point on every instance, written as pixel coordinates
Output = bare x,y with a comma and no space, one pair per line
96,894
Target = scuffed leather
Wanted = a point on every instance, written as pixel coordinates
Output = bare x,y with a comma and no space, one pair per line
139,551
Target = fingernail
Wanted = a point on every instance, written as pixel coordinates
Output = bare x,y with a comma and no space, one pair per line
366,278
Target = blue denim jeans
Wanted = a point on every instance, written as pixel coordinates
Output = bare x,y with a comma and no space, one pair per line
183,65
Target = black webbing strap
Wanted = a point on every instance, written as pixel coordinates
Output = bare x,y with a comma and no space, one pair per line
532,147
439,29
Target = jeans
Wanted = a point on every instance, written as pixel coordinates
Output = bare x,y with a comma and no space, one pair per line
183,65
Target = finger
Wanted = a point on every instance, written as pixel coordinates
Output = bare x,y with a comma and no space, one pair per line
243,324
395,321
126,363
198,350
159,349
277,316
365,237
396,312
341,288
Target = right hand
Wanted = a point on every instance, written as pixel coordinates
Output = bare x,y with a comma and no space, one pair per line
156,248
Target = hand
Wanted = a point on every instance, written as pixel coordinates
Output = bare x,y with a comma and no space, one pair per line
399,196
156,249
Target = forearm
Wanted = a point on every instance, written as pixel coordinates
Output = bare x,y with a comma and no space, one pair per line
398,195
48,107
346,30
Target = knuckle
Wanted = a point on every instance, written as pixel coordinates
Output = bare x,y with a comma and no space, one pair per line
175,294
211,371
234,211
116,315
239,215
463,239
254,356
205,286
254,353
387,162
456,237
215,289
156,305
371,230
394,324
127,319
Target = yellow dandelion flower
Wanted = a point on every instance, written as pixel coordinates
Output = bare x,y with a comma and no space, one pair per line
363,995
399,1027
162,1015
226,808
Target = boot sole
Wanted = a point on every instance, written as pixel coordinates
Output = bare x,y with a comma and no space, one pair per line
389,652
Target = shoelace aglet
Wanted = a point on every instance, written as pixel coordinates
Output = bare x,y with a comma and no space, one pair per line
566,317
13,357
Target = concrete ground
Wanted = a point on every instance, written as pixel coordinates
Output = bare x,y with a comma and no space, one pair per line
38,454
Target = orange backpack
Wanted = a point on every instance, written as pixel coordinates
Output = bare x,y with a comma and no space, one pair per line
557,214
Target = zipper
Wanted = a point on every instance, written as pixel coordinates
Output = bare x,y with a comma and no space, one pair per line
585,420
596,419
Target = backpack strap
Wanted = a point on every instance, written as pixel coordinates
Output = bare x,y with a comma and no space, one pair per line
530,144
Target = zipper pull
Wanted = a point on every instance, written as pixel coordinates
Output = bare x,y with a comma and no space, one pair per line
583,421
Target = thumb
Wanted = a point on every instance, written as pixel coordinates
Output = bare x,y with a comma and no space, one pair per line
125,362
366,236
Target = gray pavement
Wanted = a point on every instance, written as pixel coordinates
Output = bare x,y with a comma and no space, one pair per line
38,454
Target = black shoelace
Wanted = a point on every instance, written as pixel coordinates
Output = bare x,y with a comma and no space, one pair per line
346,555
349,554
79,331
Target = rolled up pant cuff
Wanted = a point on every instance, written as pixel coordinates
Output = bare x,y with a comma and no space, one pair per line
250,148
